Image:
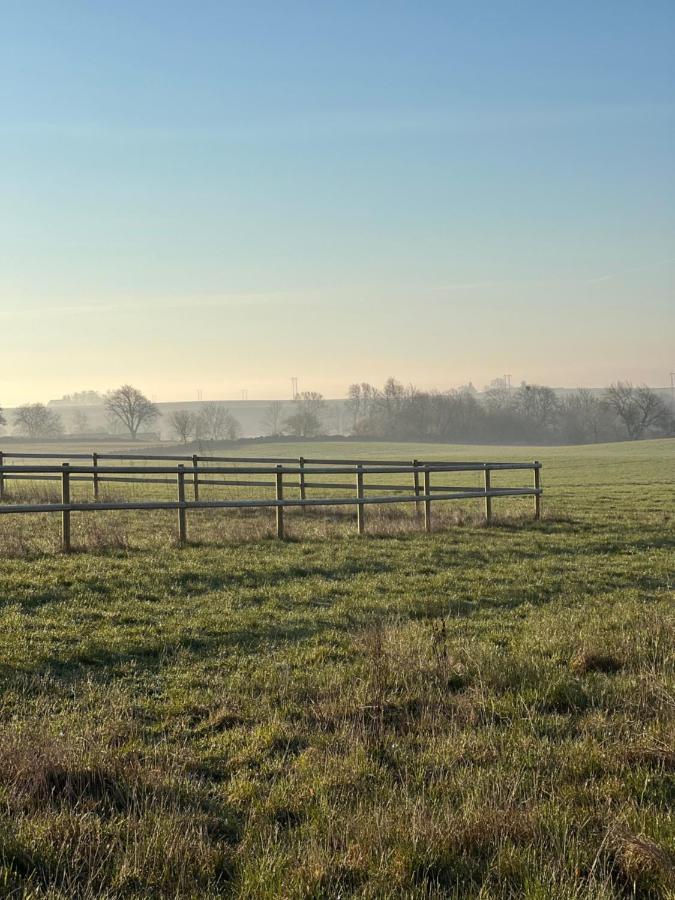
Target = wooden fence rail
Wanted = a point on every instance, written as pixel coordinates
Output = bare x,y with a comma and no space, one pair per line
285,476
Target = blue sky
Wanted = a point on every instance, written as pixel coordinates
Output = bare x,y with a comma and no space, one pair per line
216,196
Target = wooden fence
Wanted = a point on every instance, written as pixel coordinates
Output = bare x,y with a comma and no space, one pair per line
284,474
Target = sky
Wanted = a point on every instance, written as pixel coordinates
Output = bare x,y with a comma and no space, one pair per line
220,196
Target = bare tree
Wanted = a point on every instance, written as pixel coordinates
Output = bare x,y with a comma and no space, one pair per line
273,418
582,416
233,427
538,403
355,403
306,419
497,395
37,421
2,418
183,423
130,407
360,399
215,423
639,408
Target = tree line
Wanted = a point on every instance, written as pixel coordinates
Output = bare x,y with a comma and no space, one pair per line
129,411
127,406
531,413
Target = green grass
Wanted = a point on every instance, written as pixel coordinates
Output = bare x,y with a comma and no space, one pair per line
119,444
474,713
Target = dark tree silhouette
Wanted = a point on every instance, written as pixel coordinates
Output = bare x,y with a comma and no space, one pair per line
639,408
131,407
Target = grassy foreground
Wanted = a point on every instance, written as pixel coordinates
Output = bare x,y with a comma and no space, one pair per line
475,713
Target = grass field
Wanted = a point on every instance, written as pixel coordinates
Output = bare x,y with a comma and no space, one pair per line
474,713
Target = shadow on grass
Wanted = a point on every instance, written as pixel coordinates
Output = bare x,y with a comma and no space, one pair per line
427,579
105,664
156,586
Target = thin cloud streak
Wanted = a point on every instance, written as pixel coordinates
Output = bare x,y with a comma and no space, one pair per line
154,306
612,276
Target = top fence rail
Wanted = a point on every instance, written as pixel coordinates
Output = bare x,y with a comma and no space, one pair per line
255,460
268,470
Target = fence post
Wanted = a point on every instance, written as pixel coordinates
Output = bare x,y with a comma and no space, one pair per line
303,491
280,497
94,462
537,486
427,501
2,476
182,516
195,461
488,500
416,483
360,508
65,514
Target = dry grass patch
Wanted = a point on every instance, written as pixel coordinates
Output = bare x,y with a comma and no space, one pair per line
647,868
91,821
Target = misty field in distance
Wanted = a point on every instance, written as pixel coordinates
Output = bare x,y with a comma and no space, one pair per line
471,713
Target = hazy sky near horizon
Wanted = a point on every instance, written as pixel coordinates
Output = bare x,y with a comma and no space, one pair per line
218,196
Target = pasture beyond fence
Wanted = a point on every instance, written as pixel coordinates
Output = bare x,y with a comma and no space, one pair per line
284,475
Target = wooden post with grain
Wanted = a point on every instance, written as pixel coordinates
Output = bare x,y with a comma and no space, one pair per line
195,477
303,490
537,487
360,508
182,514
416,484
65,514
488,499
280,497
94,480
427,500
